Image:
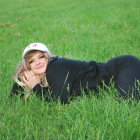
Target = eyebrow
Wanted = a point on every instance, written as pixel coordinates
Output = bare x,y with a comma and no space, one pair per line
37,56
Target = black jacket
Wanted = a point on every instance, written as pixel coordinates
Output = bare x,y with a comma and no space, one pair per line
68,78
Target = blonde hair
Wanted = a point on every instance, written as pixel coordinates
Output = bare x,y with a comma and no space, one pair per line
24,65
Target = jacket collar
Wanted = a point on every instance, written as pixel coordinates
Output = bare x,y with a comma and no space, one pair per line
54,58
51,60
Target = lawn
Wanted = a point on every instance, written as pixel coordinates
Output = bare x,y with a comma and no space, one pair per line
76,29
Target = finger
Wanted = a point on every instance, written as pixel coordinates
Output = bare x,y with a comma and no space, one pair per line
27,76
24,80
31,73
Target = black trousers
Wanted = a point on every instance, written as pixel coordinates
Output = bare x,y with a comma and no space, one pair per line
125,71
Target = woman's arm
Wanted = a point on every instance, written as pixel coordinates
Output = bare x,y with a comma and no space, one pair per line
60,75
16,90
40,91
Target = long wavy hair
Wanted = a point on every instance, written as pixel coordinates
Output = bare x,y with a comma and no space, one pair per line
24,65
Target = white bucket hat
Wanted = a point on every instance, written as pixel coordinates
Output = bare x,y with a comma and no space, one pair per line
35,46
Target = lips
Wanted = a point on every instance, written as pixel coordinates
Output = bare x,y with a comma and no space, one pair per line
40,67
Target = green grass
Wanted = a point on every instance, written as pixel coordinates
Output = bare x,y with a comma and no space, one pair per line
77,29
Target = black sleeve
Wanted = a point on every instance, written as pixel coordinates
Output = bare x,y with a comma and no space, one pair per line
60,75
16,90
42,92
38,90
59,83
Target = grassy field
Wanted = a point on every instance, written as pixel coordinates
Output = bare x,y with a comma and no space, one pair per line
77,29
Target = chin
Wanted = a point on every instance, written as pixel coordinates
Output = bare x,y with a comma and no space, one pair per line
38,72
41,72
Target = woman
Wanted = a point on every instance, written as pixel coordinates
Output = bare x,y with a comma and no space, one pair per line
61,78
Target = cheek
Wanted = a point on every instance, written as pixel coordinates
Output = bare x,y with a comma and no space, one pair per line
31,66
45,61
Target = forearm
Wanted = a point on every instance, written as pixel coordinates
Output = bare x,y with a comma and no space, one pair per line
38,89
42,92
16,90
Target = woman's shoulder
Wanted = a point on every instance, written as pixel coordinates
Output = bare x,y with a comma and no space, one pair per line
58,59
63,65
65,62
54,58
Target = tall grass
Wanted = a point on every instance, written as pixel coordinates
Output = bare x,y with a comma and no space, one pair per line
82,30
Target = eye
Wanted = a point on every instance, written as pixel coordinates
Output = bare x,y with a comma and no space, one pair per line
42,56
30,62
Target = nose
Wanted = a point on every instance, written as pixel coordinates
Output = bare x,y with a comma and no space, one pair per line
37,62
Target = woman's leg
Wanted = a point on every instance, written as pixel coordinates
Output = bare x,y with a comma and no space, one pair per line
127,83
126,73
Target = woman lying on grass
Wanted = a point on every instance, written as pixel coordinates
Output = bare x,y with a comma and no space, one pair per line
54,77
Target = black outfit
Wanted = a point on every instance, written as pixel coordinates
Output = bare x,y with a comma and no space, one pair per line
68,78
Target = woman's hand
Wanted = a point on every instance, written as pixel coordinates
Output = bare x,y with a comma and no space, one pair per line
30,79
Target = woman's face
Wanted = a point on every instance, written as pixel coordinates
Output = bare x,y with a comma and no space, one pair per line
38,63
